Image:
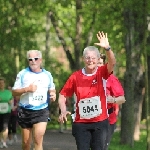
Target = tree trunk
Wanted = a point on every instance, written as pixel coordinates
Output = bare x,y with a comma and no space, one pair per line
134,44
77,44
147,74
127,124
127,112
139,97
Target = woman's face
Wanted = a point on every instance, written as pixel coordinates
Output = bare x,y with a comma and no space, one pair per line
100,62
2,84
90,60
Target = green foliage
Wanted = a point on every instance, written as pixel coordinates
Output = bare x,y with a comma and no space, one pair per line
95,17
138,145
58,72
23,25
54,124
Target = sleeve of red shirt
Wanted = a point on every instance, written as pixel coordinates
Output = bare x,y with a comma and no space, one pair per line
114,87
104,72
68,88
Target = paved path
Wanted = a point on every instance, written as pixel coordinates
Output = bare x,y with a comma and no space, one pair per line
53,140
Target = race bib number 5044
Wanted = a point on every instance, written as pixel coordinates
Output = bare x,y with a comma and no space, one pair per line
90,107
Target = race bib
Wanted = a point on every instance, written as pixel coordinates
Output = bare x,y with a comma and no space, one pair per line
4,107
90,107
37,98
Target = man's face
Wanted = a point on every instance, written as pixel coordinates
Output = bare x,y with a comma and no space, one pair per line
90,60
34,61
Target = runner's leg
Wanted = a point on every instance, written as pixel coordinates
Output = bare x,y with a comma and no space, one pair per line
109,135
99,135
38,133
26,138
82,134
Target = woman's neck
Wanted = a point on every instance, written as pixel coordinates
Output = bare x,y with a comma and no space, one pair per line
90,71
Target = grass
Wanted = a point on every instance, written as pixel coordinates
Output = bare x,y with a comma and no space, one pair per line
138,145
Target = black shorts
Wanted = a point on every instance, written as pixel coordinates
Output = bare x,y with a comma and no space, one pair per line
4,119
27,118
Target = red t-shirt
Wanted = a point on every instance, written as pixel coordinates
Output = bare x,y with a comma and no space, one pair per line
87,86
113,88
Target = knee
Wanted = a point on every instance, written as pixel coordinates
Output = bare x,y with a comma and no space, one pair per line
38,140
5,127
25,145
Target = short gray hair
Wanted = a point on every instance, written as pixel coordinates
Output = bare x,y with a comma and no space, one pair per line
35,51
91,48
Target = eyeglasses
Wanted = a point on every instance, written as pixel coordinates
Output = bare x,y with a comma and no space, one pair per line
90,58
35,59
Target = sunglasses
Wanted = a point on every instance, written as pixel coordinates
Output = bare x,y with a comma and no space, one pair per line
31,59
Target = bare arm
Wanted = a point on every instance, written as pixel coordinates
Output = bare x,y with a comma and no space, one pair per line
62,106
118,100
62,103
111,60
104,43
52,94
18,92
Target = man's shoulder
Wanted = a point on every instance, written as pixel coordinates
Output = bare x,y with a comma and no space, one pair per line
46,72
25,70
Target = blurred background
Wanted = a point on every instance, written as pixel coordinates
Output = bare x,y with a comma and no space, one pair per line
62,29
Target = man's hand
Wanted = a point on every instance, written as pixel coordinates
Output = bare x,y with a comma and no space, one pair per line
31,88
52,96
63,116
103,40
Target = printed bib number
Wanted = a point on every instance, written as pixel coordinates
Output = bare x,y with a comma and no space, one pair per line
90,107
37,98
4,107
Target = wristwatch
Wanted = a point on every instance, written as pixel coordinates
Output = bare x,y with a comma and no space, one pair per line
108,48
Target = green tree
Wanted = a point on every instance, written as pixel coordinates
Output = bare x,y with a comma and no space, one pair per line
73,25
135,35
